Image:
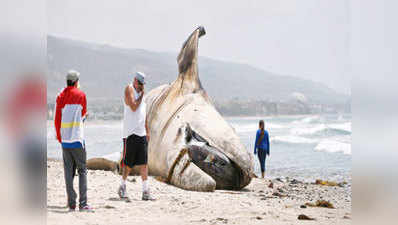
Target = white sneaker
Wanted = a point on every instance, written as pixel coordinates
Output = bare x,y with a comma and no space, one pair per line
122,191
147,196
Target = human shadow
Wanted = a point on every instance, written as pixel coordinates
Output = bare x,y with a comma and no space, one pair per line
57,209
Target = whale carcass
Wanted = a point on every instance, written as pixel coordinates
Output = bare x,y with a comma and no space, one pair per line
191,145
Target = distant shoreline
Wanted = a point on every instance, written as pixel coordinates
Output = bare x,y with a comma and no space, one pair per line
234,117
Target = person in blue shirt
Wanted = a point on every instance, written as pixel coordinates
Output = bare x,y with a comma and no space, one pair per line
261,146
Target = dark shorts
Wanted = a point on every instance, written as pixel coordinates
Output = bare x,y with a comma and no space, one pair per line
135,151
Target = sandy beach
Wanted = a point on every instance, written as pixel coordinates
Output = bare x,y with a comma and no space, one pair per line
255,204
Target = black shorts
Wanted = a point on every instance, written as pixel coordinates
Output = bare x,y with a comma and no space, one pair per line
135,151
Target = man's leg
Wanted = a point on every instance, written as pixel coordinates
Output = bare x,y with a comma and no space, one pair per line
144,172
69,173
144,177
80,155
145,188
126,172
125,169
122,188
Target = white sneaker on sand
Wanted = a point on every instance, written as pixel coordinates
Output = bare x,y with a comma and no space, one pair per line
147,196
122,191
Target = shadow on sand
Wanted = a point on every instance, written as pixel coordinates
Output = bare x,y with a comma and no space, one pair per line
57,209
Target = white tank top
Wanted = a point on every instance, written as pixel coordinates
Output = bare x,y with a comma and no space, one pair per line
134,122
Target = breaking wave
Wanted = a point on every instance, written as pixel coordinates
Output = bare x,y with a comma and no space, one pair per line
333,146
252,127
292,140
322,129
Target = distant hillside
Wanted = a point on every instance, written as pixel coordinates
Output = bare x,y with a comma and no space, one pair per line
105,70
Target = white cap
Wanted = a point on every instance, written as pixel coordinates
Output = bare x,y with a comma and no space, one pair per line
72,75
140,77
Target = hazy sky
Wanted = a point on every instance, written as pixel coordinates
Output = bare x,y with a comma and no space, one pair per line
304,38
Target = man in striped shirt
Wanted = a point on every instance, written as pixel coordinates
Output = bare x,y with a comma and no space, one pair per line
70,113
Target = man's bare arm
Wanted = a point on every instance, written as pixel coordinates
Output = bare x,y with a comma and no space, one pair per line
130,100
148,135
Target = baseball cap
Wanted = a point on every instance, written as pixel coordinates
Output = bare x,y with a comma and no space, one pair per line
140,77
72,75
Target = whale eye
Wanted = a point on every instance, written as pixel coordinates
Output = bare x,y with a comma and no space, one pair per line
188,134
191,134
222,163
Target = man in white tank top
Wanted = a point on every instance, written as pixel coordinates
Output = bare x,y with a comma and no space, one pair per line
135,135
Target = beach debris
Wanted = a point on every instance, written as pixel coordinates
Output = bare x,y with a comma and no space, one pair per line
278,194
109,207
267,197
201,220
259,217
346,217
330,183
304,217
231,192
271,185
321,203
161,179
342,184
303,206
219,219
325,182
244,204
133,180
294,181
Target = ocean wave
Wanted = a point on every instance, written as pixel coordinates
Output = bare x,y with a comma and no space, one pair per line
336,129
333,146
252,127
292,140
310,119
341,126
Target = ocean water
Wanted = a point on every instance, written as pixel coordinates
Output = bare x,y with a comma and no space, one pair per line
304,147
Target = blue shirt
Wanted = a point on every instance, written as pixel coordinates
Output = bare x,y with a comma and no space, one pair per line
264,144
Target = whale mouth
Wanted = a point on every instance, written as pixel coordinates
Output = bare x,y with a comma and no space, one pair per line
212,161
